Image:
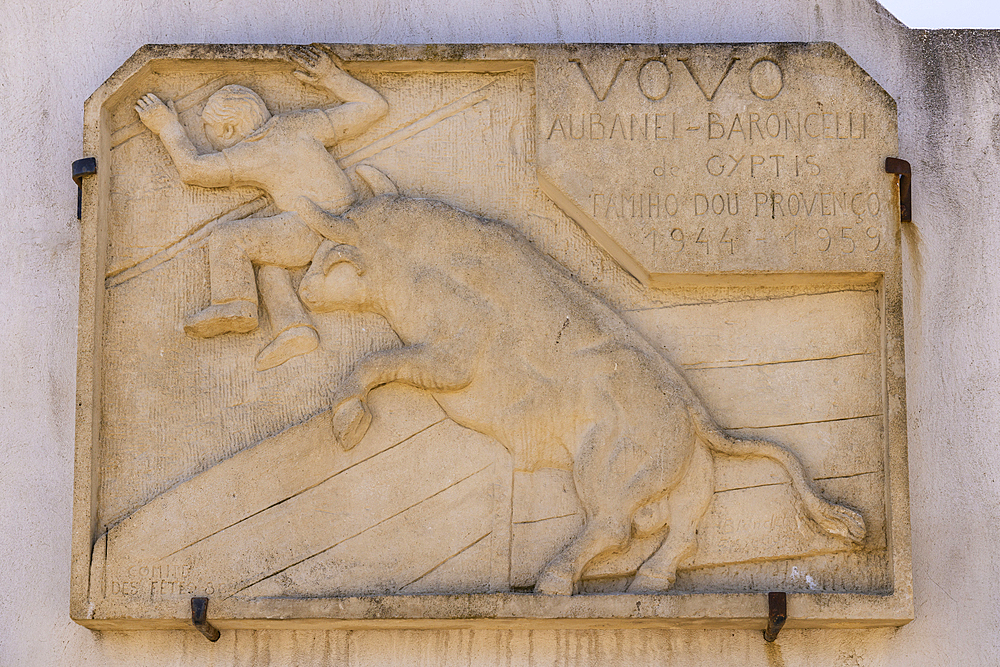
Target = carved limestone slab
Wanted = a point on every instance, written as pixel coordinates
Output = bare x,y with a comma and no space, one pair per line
443,336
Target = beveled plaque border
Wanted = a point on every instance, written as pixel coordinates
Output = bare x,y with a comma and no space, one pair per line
503,610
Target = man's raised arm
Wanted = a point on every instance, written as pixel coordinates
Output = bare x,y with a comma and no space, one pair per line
209,171
361,106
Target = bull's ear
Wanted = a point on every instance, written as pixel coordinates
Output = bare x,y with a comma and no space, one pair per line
343,253
339,229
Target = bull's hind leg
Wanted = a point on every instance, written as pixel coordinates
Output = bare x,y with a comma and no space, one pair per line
611,486
599,534
688,503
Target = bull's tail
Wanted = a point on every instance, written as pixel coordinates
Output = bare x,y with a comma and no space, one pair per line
834,519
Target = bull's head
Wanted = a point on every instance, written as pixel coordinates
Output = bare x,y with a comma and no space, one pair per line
334,280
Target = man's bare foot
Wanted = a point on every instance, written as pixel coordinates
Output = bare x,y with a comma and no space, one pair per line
220,318
289,344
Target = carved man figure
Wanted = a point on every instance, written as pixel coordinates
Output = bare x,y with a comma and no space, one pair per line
286,156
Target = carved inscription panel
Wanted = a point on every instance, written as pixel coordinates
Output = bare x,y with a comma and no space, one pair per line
722,159
434,336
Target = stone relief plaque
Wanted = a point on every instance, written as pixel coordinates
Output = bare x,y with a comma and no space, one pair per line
441,336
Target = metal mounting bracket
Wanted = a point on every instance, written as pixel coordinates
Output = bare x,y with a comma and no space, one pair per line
83,167
199,617
777,613
893,165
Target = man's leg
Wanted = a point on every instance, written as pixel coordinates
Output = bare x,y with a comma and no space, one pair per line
233,248
293,330
234,290
289,244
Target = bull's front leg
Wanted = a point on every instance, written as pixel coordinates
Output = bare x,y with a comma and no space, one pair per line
424,366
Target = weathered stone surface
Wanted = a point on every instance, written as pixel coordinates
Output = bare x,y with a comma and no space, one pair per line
524,432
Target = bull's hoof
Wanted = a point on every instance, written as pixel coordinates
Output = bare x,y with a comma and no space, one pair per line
350,423
647,583
552,584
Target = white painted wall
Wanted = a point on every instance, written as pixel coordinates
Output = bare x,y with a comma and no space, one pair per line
54,54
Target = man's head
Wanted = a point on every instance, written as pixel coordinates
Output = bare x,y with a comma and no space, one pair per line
232,114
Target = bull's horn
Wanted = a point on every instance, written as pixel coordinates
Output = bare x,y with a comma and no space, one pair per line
343,253
376,180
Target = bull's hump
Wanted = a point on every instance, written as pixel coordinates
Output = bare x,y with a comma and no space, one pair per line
490,263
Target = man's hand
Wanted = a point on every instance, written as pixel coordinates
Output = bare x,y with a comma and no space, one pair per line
317,65
154,114
360,105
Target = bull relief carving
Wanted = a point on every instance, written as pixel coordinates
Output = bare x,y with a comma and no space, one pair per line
511,346
415,343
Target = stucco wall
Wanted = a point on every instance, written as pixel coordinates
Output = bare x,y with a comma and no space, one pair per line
947,85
